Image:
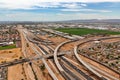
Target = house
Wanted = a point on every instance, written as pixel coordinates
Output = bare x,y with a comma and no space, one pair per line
6,43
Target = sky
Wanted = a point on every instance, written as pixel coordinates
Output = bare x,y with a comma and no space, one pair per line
58,10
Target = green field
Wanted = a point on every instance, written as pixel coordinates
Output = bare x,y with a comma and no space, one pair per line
7,47
85,31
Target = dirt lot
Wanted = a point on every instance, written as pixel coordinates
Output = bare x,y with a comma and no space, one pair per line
10,54
56,39
16,72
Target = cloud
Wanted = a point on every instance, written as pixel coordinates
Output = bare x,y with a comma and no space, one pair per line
38,1
73,5
83,4
19,4
9,10
29,4
84,10
61,4
48,4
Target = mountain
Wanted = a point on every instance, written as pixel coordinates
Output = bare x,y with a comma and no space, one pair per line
94,21
67,21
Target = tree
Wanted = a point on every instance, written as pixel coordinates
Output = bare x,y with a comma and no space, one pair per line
27,45
10,51
20,57
42,67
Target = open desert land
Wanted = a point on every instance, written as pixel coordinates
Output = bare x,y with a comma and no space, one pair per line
10,55
14,72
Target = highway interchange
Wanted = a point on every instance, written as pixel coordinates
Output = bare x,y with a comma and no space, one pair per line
57,60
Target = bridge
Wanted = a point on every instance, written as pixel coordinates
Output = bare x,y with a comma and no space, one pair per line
20,61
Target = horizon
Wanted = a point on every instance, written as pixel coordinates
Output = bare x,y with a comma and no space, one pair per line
61,10
67,20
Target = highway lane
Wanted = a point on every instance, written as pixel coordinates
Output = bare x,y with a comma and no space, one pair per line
70,69
64,35
29,72
64,74
68,72
60,67
78,70
85,64
40,48
87,77
103,73
25,35
92,69
45,52
43,60
34,58
46,65
58,64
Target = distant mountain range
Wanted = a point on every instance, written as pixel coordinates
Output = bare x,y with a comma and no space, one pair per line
95,21
67,21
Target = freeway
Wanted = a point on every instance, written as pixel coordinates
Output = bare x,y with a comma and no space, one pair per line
46,65
25,51
44,52
63,65
43,60
33,42
101,77
59,34
91,67
64,74
78,70
50,61
67,71
84,63
35,58
29,68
